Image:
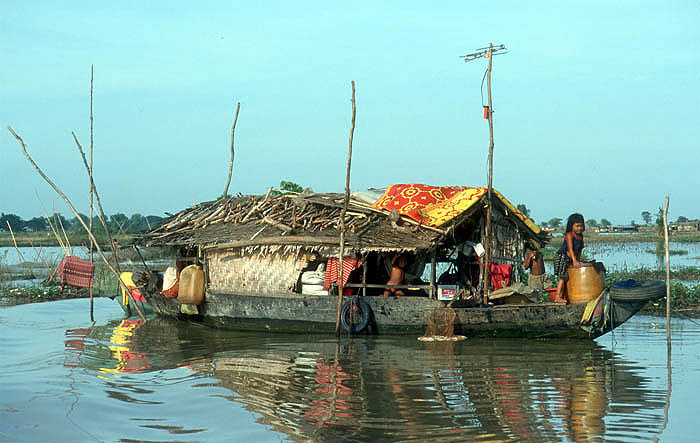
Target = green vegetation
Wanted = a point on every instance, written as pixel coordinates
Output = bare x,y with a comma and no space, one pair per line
288,187
40,231
116,223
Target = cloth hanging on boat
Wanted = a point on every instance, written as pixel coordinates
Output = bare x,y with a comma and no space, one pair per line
436,205
595,316
76,272
500,275
349,265
128,279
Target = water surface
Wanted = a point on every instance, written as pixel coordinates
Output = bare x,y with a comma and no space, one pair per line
65,379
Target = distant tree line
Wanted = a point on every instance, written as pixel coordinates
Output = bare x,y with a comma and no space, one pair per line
116,223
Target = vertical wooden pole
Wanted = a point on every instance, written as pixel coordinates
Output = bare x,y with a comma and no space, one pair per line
92,189
667,405
487,231
342,218
668,278
364,275
433,269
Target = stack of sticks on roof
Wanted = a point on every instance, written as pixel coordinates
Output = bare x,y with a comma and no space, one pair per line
286,212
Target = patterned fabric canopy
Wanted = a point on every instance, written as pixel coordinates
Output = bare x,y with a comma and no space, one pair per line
436,205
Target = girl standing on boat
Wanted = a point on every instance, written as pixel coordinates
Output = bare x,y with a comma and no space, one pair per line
569,254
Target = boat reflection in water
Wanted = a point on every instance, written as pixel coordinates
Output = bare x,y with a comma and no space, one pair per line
395,388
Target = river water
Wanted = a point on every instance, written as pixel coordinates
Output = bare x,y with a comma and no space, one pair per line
66,379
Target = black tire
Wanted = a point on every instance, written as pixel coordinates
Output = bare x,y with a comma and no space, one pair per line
354,315
640,290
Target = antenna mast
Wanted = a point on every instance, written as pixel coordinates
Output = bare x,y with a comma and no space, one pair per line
488,114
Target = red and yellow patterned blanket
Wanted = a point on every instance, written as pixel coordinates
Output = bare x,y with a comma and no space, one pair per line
436,205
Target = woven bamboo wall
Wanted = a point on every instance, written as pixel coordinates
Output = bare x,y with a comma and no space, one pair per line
262,270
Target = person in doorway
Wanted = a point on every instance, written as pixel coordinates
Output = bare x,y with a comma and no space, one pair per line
569,254
535,263
398,275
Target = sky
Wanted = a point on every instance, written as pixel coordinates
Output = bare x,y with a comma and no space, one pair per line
596,104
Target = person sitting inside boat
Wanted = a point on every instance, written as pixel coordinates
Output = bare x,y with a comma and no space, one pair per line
398,275
535,263
569,254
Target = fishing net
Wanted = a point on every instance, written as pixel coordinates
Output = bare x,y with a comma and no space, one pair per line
441,322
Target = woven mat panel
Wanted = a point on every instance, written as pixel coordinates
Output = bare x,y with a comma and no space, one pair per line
264,271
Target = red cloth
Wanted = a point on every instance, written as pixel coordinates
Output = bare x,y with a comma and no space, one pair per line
349,265
74,271
136,293
500,275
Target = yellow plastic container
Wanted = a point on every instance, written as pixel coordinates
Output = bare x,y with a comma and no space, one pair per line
191,285
585,283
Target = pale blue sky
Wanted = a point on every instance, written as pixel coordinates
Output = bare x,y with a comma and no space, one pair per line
596,104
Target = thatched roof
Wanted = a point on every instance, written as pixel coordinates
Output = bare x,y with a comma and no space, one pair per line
306,219
301,219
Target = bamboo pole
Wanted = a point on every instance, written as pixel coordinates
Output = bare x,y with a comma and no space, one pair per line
342,216
80,219
230,166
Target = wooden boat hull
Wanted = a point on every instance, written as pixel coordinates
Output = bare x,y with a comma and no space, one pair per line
391,315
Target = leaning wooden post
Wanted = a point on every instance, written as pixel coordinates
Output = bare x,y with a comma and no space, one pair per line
230,166
80,219
668,278
342,218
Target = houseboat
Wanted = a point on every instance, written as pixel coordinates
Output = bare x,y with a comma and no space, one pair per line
271,263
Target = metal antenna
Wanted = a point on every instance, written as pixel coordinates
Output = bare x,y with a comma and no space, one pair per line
483,52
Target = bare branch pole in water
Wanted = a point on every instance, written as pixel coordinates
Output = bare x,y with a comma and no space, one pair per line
667,404
342,217
77,216
230,166
668,277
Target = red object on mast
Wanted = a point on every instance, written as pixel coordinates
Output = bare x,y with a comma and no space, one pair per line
486,112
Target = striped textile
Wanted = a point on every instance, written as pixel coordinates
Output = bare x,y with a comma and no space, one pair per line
349,265
76,272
